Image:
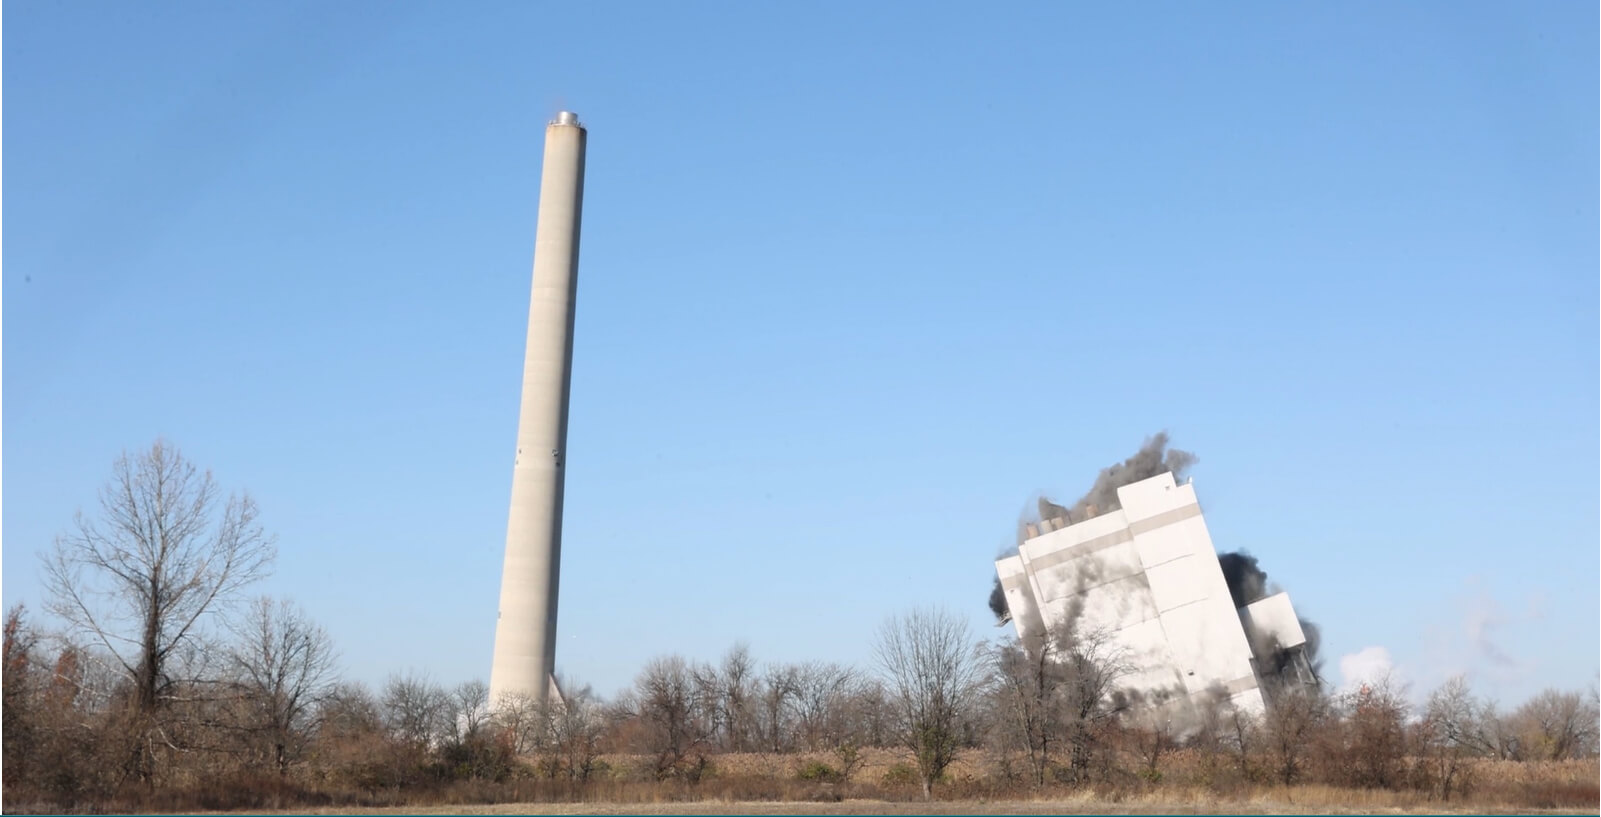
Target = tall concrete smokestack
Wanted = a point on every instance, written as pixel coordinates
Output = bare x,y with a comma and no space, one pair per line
525,632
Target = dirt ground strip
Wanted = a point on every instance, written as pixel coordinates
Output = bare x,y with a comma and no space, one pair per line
1084,806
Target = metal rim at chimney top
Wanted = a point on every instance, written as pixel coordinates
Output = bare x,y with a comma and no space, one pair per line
566,118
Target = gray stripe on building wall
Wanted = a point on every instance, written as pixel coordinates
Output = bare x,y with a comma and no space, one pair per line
1165,518
1017,581
1138,577
1116,537
1080,550
1241,684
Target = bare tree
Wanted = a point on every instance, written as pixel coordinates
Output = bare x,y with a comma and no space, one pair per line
738,692
63,744
1092,662
1555,725
576,723
520,719
1289,729
166,552
1592,702
677,709
823,689
932,671
1056,688
1027,693
870,713
284,663
1463,721
349,708
467,710
1455,727
351,741
415,710
1241,737
1222,732
470,746
21,679
1374,729
1153,737
777,690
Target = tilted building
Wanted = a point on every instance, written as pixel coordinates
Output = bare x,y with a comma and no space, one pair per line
1147,578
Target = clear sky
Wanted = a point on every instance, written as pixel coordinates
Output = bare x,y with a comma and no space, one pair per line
859,282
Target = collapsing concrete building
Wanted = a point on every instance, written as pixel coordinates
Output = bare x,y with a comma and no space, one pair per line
1147,578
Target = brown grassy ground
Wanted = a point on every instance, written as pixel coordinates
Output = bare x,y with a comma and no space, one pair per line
769,784
1291,801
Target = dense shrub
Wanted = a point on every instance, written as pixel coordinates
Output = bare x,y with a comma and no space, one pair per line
901,774
818,771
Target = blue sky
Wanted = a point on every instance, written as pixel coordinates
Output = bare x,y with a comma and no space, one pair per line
858,283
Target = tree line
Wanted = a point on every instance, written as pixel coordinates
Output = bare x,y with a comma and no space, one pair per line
160,676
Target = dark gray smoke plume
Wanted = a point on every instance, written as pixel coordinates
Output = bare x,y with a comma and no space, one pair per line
1153,458
1051,510
1247,583
998,603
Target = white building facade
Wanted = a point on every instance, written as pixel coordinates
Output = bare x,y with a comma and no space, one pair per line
1146,575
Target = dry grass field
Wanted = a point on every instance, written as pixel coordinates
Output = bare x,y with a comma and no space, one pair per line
1271,802
767,784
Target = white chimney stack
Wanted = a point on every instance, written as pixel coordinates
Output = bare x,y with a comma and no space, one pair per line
525,632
